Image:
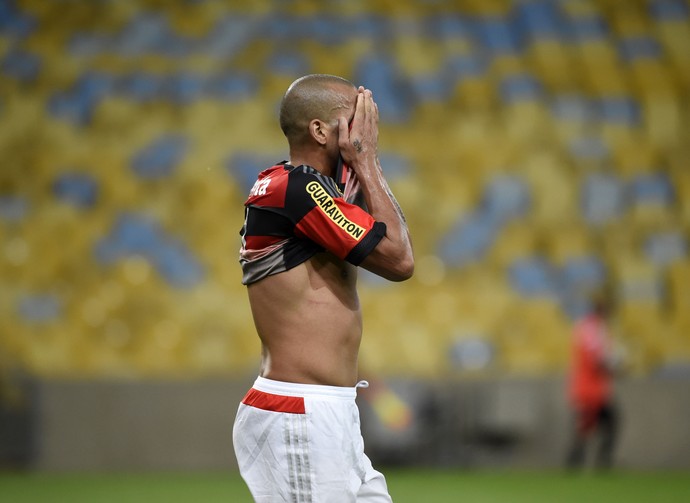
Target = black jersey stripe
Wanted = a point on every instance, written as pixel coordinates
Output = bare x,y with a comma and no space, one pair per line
258,225
367,244
328,184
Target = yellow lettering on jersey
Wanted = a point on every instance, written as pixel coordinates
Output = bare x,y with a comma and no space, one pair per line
328,206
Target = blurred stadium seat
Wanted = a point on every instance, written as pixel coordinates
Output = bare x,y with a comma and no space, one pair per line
539,149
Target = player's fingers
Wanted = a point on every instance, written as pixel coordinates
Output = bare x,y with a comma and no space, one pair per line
359,108
370,106
343,132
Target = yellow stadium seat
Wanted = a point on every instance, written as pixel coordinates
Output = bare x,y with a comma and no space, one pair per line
664,120
474,93
535,337
602,72
517,240
554,189
553,62
569,241
674,35
678,277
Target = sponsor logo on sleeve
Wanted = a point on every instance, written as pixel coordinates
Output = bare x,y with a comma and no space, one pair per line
260,187
324,201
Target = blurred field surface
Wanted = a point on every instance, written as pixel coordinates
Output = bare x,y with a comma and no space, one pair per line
406,486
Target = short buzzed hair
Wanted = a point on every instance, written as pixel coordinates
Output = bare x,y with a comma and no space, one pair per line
309,97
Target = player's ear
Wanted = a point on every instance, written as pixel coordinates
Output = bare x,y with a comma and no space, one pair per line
318,131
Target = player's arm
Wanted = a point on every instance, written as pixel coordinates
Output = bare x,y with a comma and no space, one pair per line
393,257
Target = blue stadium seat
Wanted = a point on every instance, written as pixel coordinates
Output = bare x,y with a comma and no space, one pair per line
131,234
435,87
141,86
326,28
88,45
135,234
620,110
533,277
394,97
587,28
498,35
579,277
78,189
588,148
369,26
395,166
450,25
669,10
465,66
78,104
230,35
39,308
245,167
539,19
183,88
583,274
572,107
522,87
637,47
281,27
506,197
666,248
15,23
468,240
651,189
603,198
160,157
289,62
21,65
146,33
175,261
13,208
232,86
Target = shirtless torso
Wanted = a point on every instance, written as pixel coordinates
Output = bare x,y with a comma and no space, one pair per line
310,323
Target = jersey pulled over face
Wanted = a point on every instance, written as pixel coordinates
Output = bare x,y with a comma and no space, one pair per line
292,213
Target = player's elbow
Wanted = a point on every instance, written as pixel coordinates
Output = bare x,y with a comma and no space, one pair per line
404,269
390,267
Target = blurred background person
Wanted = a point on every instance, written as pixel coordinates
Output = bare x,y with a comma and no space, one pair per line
591,387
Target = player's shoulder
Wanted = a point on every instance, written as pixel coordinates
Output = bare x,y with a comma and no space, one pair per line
267,184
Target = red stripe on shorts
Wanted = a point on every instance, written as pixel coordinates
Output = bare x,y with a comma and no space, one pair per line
275,403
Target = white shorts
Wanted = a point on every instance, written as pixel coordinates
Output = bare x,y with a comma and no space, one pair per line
302,443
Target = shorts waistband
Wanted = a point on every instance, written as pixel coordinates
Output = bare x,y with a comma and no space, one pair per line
306,390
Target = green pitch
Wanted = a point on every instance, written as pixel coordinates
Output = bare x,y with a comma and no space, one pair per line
406,486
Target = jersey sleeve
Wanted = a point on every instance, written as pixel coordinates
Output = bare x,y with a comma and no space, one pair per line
344,229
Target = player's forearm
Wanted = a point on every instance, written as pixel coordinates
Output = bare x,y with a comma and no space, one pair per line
396,248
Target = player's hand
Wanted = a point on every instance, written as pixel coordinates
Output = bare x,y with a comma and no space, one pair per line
359,142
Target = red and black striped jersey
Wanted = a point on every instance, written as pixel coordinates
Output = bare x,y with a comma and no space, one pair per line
293,213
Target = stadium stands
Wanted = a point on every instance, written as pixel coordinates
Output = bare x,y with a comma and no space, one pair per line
538,147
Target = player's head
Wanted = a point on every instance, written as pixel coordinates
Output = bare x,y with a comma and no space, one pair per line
602,303
318,97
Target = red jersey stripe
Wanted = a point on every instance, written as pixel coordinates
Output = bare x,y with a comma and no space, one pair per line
275,403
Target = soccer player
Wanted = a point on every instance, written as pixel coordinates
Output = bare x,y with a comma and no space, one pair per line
591,386
309,222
